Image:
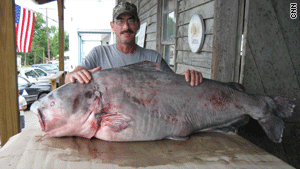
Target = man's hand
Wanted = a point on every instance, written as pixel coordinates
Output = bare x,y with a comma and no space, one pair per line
23,108
82,75
193,76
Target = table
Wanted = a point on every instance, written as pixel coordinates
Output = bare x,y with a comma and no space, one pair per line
203,150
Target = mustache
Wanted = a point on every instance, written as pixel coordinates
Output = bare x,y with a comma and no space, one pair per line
127,31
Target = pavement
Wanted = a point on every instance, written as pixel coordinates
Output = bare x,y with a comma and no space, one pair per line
31,120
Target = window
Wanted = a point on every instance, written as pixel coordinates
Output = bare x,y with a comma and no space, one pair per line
40,72
168,36
32,74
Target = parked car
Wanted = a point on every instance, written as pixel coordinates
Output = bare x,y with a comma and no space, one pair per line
49,68
35,75
32,91
67,66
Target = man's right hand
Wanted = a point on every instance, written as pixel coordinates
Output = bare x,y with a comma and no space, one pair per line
81,75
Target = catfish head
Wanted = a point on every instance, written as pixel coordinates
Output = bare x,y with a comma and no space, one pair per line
70,110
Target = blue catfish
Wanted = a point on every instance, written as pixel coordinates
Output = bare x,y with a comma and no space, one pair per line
139,102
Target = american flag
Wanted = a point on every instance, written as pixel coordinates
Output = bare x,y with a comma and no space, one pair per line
24,28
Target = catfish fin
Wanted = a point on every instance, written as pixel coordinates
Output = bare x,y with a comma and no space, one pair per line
284,106
116,122
231,126
236,86
273,127
271,122
145,65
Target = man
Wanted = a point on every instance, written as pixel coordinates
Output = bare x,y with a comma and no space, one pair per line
125,24
22,107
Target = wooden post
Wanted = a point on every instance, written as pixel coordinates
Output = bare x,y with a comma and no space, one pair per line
9,115
54,78
43,55
60,7
226,43
25,62
48,47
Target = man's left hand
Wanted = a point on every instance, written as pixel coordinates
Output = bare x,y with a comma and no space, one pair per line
193,76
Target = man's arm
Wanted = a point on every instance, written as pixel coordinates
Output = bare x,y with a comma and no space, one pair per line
80,74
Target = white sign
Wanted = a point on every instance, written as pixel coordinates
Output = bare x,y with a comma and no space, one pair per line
140,36
196,33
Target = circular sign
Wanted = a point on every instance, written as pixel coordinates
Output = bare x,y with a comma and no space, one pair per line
196,33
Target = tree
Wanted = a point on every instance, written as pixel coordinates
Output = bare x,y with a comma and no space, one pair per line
54,43
39,42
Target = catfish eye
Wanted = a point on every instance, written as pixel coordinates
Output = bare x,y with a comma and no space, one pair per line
52,103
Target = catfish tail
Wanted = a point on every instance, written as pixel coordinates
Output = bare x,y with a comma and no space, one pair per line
272,123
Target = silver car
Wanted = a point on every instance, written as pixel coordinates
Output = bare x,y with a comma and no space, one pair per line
35,75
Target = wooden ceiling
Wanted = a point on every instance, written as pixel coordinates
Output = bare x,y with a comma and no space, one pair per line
42,1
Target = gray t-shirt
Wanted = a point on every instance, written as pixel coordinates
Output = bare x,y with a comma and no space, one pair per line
110,57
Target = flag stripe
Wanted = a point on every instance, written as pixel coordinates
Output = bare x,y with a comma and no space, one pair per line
23,31
26,25
32,29
24,28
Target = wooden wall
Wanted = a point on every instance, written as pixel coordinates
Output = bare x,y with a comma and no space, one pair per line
272,67
185,58
150,11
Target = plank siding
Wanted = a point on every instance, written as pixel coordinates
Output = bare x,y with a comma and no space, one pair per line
151,37
150,20
208,23
185,58
151,28
150,45
272,68
183,44
188,4
206,10
147,12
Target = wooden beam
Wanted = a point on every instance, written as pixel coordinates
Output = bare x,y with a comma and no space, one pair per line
54,78
9,114
159,27
226,42
42,1
60,7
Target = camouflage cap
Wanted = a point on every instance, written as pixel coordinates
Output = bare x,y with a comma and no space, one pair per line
125,7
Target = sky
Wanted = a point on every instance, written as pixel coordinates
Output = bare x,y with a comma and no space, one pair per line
82,14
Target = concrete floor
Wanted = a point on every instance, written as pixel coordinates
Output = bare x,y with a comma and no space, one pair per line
31,120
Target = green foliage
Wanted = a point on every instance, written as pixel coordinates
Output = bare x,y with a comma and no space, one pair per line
54,43
39,42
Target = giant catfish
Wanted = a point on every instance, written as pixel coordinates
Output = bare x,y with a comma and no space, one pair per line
139,102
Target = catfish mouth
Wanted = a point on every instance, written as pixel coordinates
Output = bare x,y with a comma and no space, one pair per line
41,120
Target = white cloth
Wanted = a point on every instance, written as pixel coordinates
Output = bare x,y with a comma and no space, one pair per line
22,103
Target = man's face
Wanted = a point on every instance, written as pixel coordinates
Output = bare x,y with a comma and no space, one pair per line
125,26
